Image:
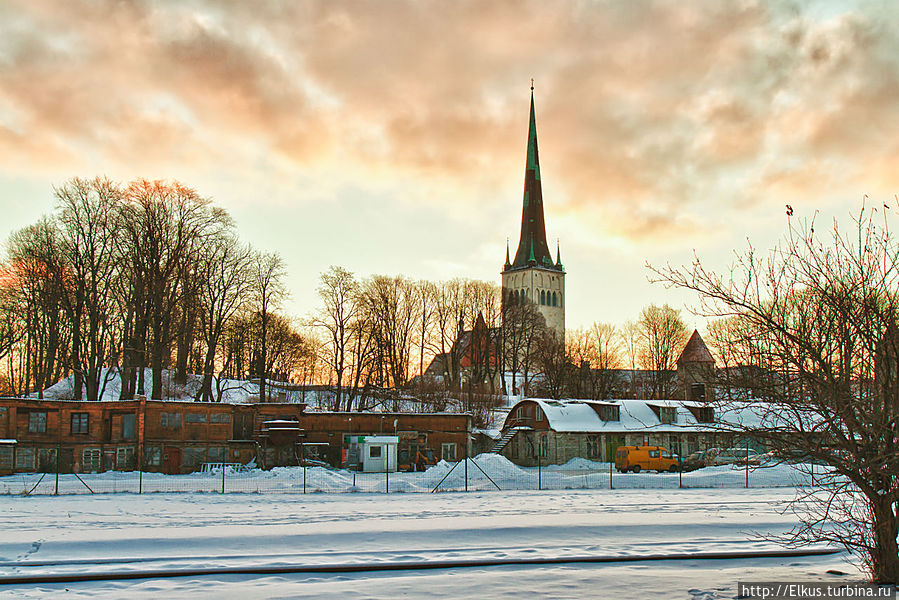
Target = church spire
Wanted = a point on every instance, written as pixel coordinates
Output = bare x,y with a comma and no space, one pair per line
532,243
508,262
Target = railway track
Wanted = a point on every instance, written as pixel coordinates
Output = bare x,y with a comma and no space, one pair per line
383,566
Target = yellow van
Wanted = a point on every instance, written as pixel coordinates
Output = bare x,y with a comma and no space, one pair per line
649,458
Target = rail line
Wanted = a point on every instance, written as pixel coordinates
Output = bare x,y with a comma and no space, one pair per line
400,566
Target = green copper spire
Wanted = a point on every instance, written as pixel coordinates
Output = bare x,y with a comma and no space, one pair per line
558,256
508,262
532,244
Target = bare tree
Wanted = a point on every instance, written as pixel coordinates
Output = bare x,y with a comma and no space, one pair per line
824,311
89,220
552,363
662,336
39,359
339,293
523,327
425,297
630,341
224,268
594,354
268,290
449,323
163,222
390,308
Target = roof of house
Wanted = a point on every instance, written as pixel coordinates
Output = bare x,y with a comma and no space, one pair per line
583,416
695,351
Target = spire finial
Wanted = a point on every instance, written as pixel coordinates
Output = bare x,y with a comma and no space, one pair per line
532,84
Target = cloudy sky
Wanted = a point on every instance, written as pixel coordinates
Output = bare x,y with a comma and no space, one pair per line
389,137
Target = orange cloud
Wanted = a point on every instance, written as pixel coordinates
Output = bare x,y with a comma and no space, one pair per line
652,116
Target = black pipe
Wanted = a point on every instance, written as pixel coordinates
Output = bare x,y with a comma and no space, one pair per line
400,566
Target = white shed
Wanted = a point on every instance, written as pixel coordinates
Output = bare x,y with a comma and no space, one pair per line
376,453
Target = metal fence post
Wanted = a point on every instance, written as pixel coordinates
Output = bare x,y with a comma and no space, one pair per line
387,474
539,471
223,478
680,472
610,475
747,464
466,467
58,447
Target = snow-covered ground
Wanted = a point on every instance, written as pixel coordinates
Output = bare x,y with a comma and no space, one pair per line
485,472
127,532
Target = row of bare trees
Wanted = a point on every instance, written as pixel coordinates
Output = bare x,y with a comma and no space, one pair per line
380,332
635,360
122,279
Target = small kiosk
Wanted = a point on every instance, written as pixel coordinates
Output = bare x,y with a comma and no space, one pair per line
371,453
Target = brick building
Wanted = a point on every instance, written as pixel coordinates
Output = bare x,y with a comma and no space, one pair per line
180,437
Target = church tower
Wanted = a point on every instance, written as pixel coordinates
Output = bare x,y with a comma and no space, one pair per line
533,276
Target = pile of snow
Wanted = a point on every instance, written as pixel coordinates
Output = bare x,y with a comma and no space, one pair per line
484,472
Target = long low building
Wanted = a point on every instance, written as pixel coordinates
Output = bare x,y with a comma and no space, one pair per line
554,431
180,437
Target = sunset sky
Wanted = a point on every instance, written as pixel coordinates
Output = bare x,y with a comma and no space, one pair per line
389,137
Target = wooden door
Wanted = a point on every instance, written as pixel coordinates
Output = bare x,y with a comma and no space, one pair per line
171,460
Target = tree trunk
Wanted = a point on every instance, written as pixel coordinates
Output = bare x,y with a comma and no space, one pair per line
885,554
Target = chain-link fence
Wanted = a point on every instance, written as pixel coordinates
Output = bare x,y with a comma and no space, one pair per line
481,473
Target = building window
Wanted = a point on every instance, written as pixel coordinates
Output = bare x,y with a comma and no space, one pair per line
374,451
170,420
219,418
80,423
448,451
124,458
128,422
195,418
544,443
609,413
593,449
667,414
6,452
538,413
555,299
90,460
46,460
152,456
194,457
25,459
697,391
542,297
705,414
37,422
217,454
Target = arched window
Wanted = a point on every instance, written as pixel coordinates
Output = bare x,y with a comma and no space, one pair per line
555,300
542,297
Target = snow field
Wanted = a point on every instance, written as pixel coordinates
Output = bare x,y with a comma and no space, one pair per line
48,534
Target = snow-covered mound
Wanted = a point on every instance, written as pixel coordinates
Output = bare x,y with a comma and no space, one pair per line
231,391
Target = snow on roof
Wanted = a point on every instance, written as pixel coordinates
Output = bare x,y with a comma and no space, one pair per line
579,416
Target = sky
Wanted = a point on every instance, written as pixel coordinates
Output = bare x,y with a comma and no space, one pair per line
390,137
